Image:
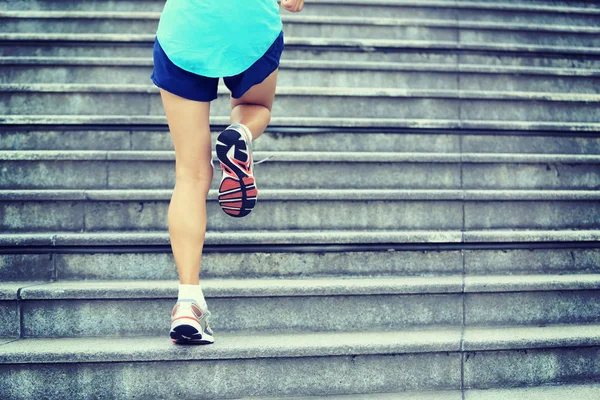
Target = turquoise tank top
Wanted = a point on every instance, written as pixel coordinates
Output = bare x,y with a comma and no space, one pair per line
218,38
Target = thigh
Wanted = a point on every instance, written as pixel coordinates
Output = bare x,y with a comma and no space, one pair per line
189,125
261,94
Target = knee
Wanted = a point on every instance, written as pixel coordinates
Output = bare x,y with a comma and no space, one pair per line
194,175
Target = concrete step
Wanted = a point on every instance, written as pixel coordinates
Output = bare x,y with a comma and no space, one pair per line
546,392
136,122
82,99
568,13
311,260
320,74
352,209
269,365
329,26
13,241
318,49
143,308
278,139
295,364
308,170
138,308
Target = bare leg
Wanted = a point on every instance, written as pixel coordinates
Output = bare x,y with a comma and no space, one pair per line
253,109
190,130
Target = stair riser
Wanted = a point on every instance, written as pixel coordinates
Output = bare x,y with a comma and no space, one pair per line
275,140
272,140
234,378
493,369
532,308
86,103
128,266
134,266
444,33
293,52
93,216
320,78
304,175
148,27
347,10
83,318
9,315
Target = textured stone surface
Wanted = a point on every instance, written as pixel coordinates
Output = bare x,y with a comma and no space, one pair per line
552,261
533,308
261,264
23,267
235,378
555,392
139,308
532,367
230,346
507,338
427,395
9,315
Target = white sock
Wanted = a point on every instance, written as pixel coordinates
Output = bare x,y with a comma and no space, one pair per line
193,292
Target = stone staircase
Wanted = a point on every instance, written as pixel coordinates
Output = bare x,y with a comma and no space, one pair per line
428,225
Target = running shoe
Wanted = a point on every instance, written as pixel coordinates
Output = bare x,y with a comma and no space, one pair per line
189,324
237,191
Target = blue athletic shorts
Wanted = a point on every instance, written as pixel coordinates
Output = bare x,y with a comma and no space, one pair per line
188,85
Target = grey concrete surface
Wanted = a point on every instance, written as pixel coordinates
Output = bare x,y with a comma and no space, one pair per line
276,140
486,370
230,346
311,170
25,267
554,392
273,140
142,317
533,308
390,75
244,288
145,120
542,261
326,102
510,338
260,377
312,210
301,237
260,264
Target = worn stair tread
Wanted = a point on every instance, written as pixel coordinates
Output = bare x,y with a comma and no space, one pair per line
469,5
228,346
316,19
355,43
306,156
317,91
266,345
346,286
321,65
251,287
425,395
486,5
305,122
550,392
298,237
39,195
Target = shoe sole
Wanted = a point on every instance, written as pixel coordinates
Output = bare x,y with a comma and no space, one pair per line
187,334
237,197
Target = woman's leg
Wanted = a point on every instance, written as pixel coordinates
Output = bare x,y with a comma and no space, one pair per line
253,109
190,131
